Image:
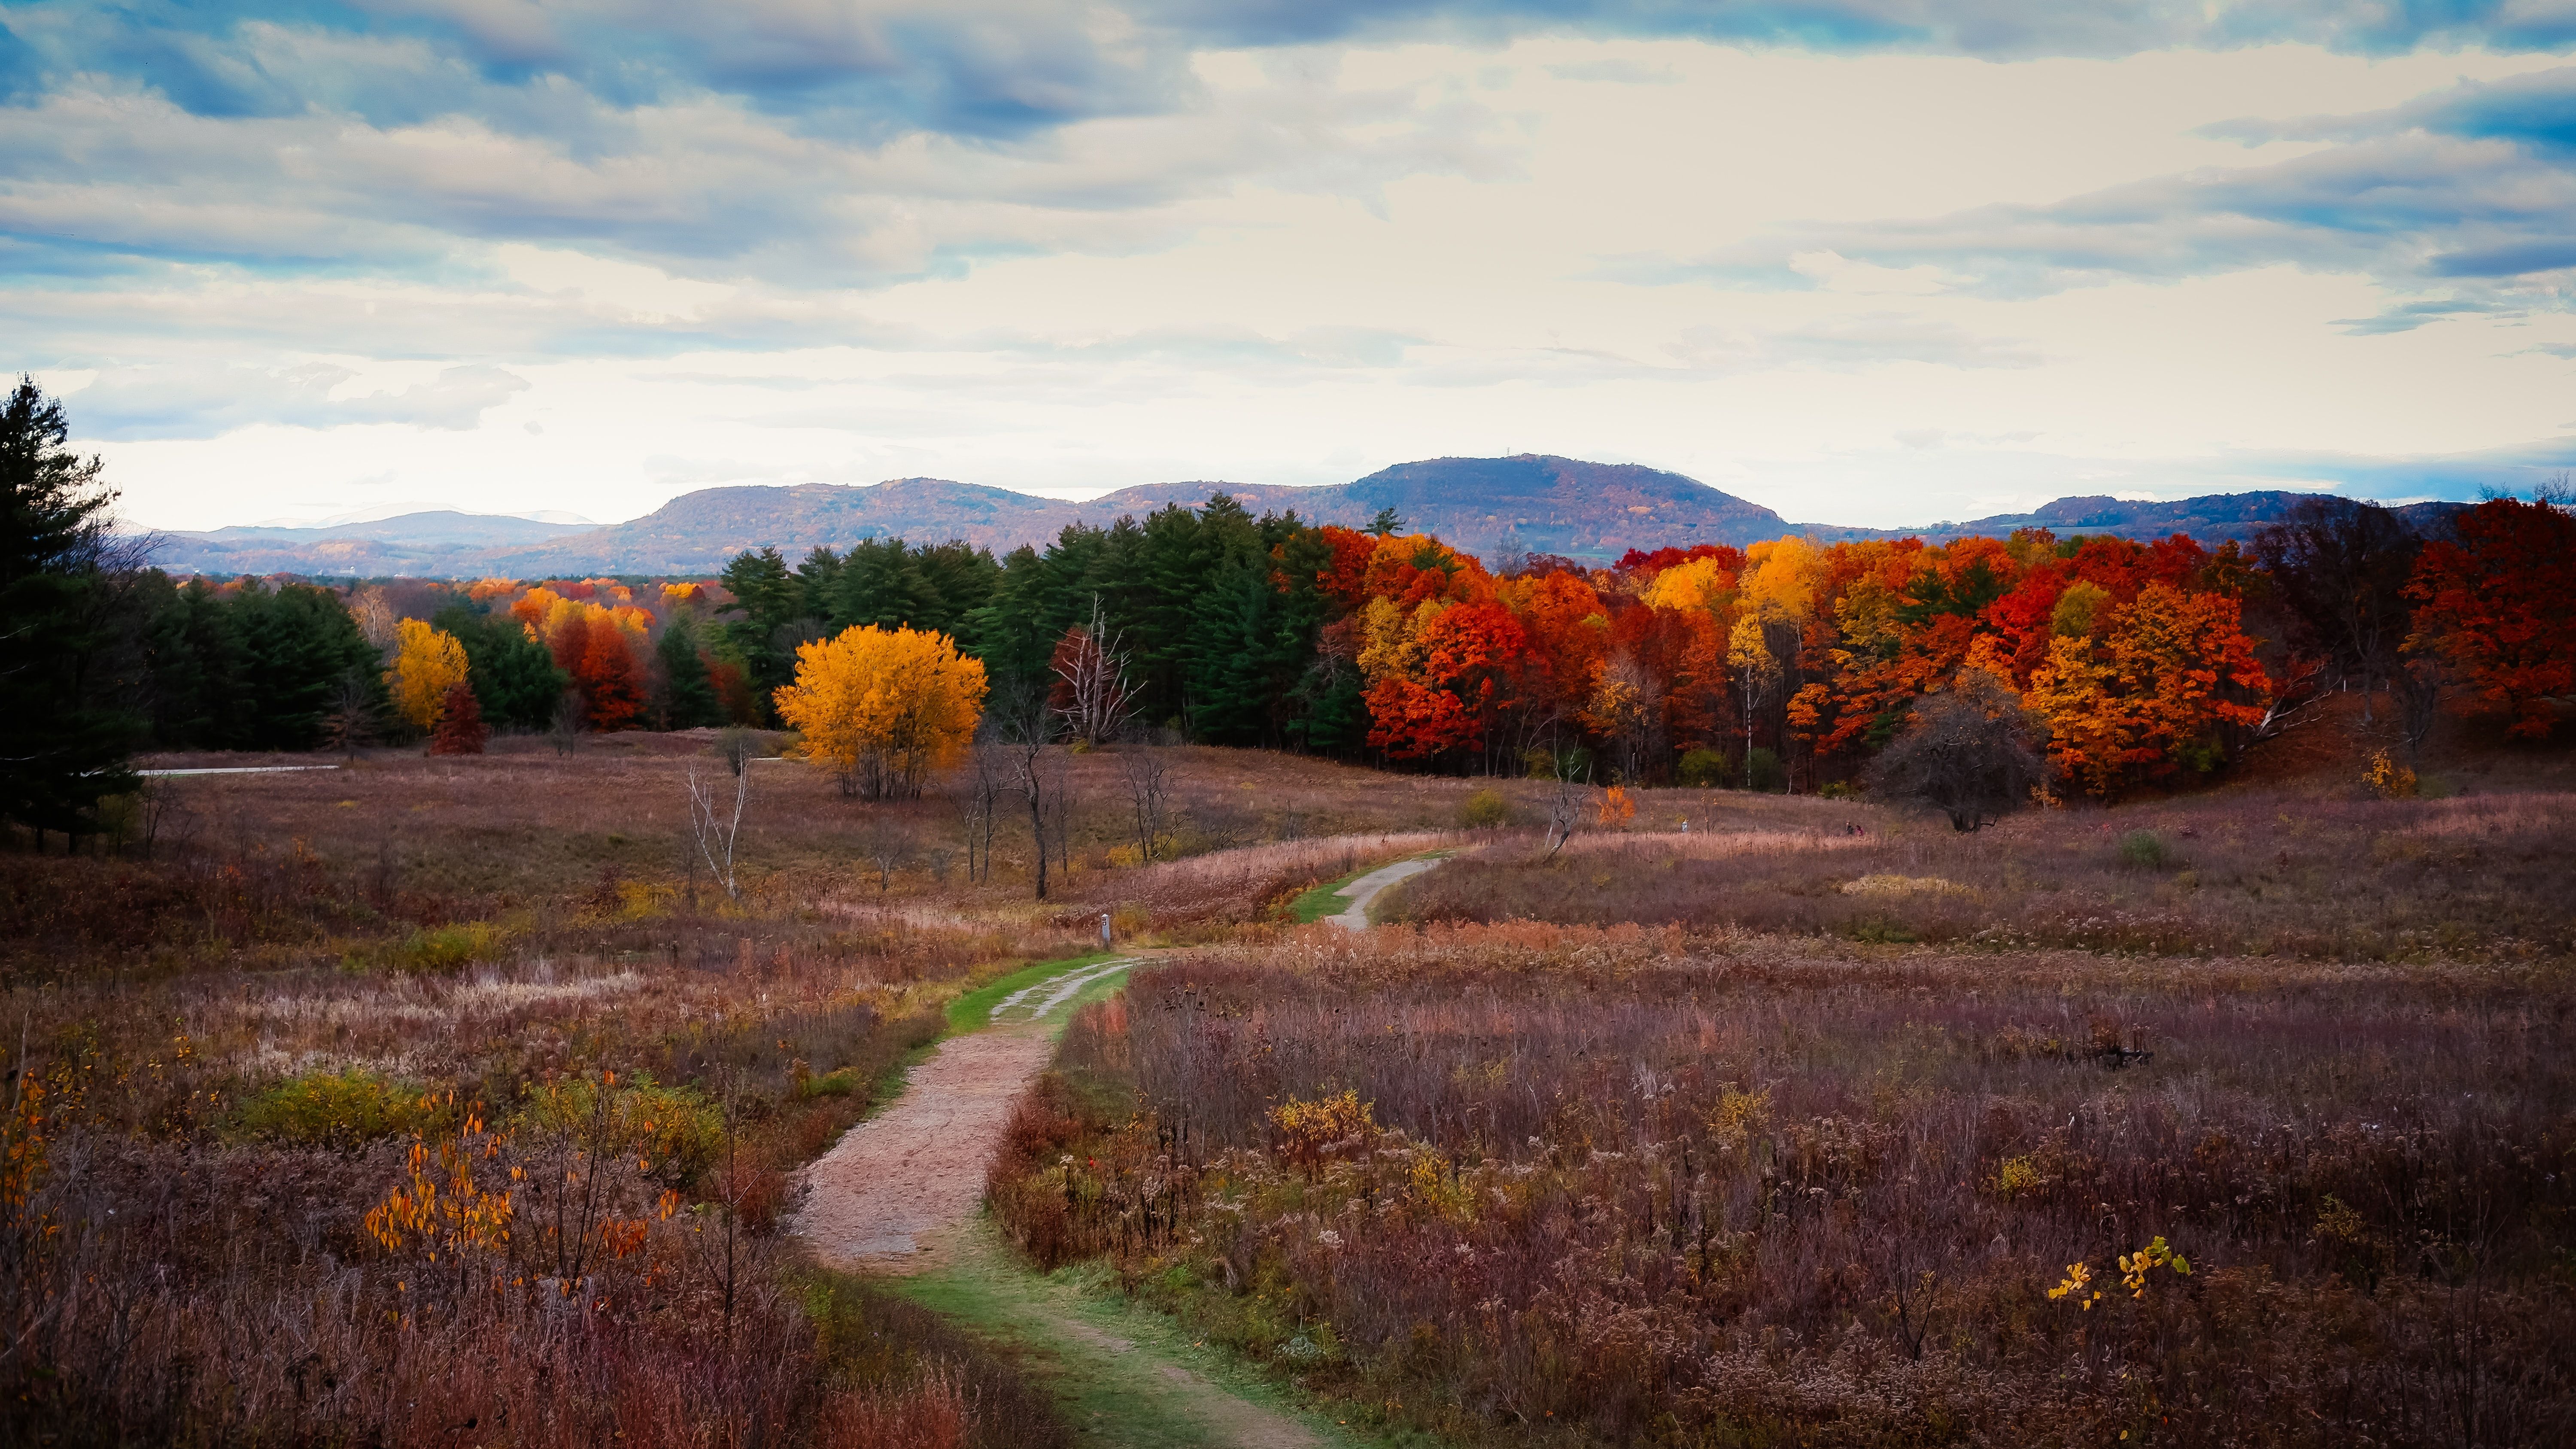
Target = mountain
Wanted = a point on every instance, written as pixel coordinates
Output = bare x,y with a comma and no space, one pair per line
2212,518
1525,504
431,543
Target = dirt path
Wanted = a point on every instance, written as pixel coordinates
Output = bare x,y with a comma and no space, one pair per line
1364,890
901,1194
874,1199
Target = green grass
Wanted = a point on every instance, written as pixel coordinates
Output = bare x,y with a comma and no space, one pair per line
1324,900
1106,1357
974,1010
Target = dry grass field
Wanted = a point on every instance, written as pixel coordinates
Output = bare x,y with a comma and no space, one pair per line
1777,1132
1574,1184
222,1050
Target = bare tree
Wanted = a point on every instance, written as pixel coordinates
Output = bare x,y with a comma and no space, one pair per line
1091,693
351,720
1022,724
715,830
2418,689
376,619
2341,566
1565,804
1971,752
572,714
1147,793
886,842
978,811
1060,805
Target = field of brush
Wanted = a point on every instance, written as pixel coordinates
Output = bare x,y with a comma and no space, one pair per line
1783,1131
222,1052
2240,1119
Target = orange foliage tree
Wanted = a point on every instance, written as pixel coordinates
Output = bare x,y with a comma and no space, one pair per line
2157,692
885,708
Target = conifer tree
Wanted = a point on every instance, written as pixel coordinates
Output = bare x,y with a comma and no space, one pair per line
64,736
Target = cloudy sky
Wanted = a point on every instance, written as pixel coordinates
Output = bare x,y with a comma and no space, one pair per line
1866,261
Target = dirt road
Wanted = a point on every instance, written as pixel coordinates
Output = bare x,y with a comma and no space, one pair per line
901,1194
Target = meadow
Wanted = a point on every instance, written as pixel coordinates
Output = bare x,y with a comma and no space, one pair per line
442,1101
1528,1182
1787,1130
2239,1117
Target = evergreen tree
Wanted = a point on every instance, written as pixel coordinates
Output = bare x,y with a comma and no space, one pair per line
64,737
776,617
300,644
514,676
692,702
195,663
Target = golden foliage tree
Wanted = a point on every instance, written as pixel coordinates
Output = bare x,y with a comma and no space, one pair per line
884,707
427,663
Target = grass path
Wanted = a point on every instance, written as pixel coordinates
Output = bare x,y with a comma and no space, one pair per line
1121,1374
900,1195
1345,902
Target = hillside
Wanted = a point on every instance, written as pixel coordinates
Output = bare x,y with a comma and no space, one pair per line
1531,503
436,542
2212,518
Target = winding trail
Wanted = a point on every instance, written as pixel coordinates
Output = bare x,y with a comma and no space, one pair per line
1364,890
875,1200
901,1194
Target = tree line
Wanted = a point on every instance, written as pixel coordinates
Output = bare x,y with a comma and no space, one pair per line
1790,664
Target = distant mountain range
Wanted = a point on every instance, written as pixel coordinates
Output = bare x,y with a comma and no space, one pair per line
1491,506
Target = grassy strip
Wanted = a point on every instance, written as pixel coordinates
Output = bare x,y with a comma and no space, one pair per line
1106,1357
1324,900
974,1010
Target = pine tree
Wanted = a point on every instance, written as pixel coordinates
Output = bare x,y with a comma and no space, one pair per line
64,738
513,675
692,698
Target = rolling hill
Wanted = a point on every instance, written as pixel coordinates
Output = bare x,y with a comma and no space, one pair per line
1530,503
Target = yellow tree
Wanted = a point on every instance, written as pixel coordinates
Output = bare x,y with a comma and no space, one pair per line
884,707
427,663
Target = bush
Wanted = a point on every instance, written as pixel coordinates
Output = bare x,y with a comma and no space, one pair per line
444,948
2145,850
1704,768
1968,752
1766,771
1484,810
342,1109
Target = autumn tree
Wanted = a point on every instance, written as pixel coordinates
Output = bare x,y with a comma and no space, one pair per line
884,707
427,663
461,730
612,688
1968,752
2494,603
2156,693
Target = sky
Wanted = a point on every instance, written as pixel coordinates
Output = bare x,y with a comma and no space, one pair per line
1874,262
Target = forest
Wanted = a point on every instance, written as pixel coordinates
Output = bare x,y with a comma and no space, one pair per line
1785,666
